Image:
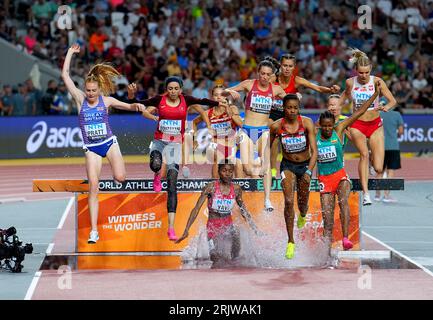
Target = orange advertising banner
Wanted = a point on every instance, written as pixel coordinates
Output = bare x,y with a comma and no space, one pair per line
138,222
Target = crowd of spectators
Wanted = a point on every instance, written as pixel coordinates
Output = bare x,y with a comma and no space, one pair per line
220,42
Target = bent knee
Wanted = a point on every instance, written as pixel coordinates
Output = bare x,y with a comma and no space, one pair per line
120,177
379,170
248,171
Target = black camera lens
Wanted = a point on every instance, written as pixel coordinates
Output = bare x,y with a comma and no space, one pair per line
11,231
28,248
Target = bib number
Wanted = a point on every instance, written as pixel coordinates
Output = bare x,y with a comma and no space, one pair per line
294,144
222,128
261,104
327,154
171,127
96,131
222,205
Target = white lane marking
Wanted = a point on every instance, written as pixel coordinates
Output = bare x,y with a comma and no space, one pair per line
400,254
399,227
409,241
65,213
33,285
37,229
49,198
38,274
6,200
366,254
10,187
50,248
25,194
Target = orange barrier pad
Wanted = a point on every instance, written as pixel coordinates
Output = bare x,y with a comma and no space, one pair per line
128,262
60,185
138,222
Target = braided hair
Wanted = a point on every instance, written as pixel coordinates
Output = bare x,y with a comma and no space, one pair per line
326,115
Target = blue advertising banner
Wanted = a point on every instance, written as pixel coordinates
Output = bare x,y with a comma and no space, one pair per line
60,136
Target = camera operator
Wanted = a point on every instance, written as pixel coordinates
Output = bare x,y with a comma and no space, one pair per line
12,251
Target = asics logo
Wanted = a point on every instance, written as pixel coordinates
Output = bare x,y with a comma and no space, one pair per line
63,137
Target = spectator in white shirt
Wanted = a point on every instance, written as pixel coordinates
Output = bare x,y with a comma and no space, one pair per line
398,16
134,39
413,15
385,6
158,40
115,35
331,72
235,43
135,14
420,82
126,28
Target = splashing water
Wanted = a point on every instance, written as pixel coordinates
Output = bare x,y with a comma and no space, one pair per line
263,251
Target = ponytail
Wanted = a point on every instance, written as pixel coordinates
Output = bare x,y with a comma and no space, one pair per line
103,74
359,58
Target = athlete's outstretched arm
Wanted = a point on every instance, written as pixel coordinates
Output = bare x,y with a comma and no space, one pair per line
305,83
202,113
309,125
358,113
233,91
346,94
233,112
388,95
278,91
194,213
113,102
149,113
149,103
76,93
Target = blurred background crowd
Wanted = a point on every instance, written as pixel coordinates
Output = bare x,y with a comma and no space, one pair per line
210,42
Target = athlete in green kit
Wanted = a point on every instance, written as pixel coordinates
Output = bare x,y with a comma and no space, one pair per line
331,173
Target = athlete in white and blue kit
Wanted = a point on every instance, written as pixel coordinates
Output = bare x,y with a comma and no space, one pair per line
99,141
260,94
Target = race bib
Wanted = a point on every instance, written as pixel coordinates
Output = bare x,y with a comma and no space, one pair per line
360,98
327,154
95,131
261,104
223,205
171,127
294,144
222,128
